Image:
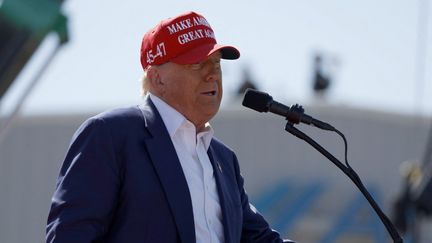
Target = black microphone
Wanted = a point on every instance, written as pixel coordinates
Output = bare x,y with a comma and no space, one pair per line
263,102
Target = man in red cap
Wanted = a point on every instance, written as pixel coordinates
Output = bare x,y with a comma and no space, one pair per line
154,172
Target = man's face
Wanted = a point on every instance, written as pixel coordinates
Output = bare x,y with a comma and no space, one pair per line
194,90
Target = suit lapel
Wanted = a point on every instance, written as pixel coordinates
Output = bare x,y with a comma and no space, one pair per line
169,170
218,171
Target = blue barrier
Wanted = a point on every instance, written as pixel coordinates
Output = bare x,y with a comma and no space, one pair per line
285,203
353,221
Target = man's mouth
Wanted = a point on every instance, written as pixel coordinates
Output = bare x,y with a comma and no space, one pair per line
209,93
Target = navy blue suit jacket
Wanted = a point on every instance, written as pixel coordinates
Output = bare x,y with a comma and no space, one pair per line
121,181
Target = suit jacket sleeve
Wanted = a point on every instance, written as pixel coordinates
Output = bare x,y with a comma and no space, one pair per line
255,227
87,187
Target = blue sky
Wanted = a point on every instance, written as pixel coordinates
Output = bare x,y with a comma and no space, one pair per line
371,47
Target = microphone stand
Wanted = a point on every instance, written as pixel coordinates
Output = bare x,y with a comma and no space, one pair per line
347,170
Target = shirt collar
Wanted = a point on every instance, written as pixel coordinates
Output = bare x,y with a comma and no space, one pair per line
207,135
174,120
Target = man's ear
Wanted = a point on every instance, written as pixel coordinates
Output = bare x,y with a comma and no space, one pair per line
155,79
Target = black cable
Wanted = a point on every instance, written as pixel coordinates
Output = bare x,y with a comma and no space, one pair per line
346,146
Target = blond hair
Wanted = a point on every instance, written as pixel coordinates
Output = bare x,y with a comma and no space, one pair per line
145,83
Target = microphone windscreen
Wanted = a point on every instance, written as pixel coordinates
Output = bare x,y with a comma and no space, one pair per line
257,100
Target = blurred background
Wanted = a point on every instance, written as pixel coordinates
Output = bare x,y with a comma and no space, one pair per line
363,66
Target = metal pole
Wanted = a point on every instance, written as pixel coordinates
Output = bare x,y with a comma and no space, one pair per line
4,128
422,46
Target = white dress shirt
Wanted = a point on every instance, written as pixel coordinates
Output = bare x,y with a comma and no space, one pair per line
191,150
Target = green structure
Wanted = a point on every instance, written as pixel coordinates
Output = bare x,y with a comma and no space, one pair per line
23,26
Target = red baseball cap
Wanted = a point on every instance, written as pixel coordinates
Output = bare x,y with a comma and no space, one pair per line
185,39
